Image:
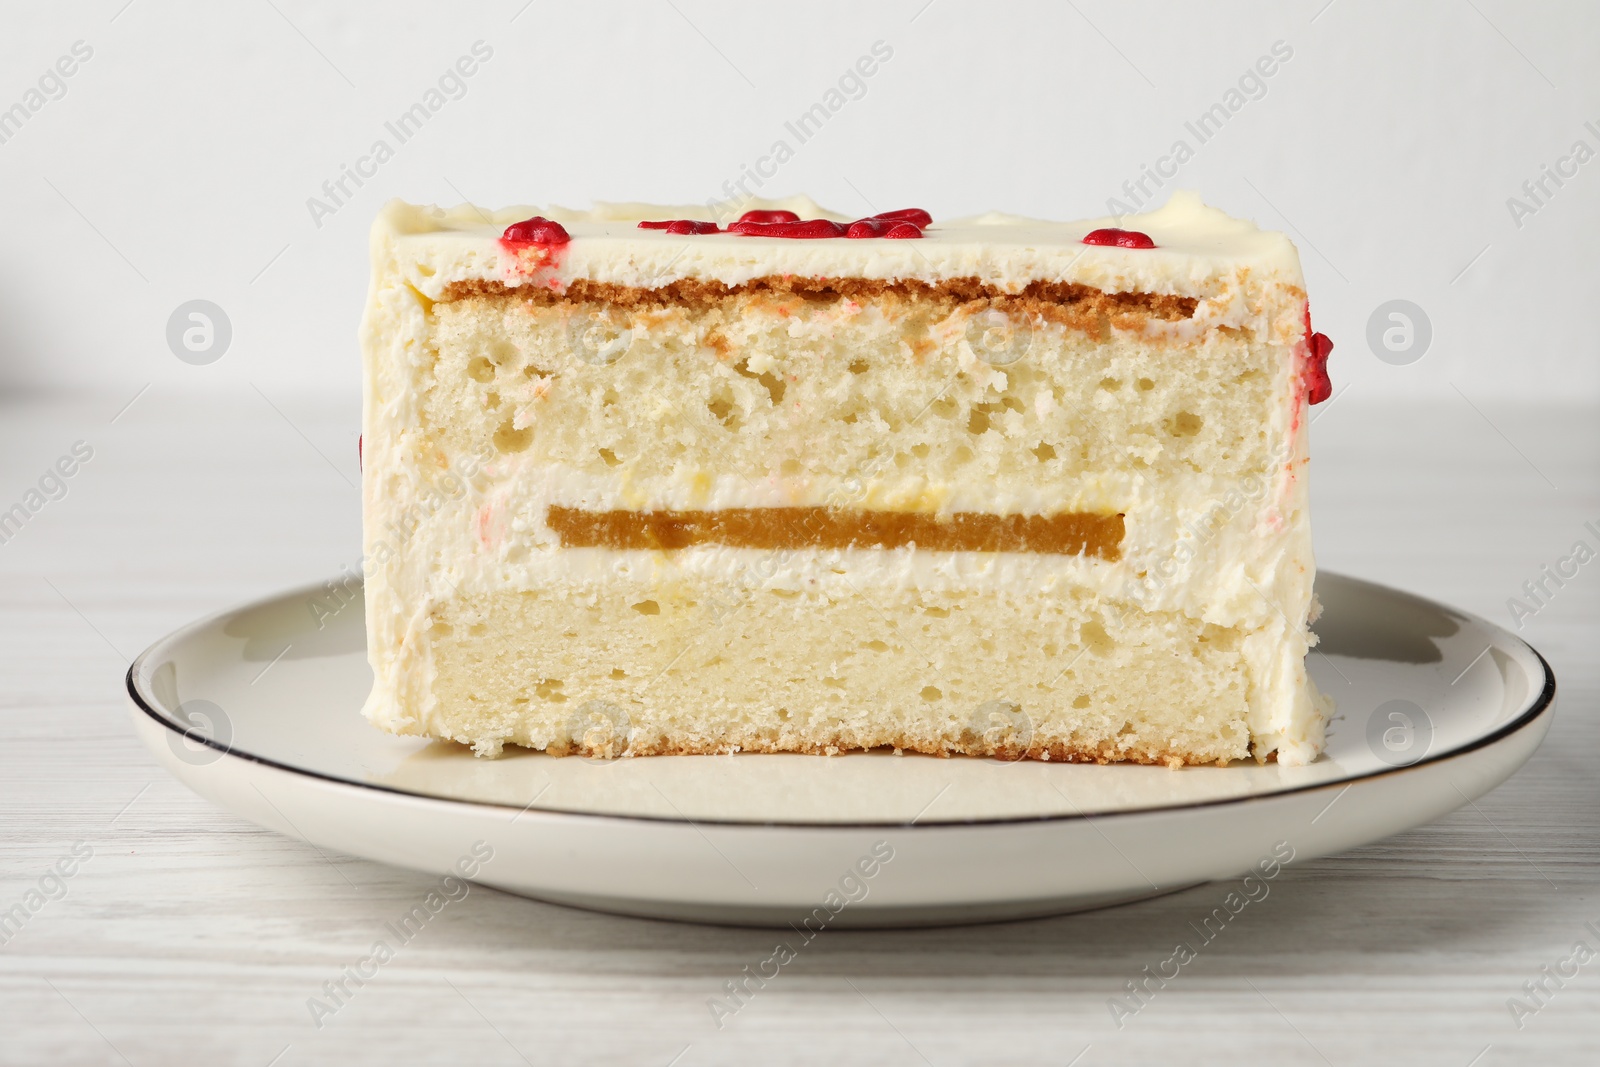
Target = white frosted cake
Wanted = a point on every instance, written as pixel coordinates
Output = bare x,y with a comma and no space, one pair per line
642,481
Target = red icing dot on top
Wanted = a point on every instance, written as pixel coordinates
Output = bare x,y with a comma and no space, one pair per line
897,225
914,215
768,216
537,230
883,226
1319,386
812,229
869,228
1118,238
681,226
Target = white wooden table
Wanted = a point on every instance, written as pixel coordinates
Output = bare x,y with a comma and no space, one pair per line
189,936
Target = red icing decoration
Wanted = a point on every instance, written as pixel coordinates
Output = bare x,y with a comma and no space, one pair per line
883,226
360,459
768,216
869,228
1319,386
914,215
812,229
537,230
681,226
1314,375
1118,238
897,225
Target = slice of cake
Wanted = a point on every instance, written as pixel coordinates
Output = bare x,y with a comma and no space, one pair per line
642,481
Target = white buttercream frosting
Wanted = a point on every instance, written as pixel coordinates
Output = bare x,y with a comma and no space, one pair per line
1232,266
1241,567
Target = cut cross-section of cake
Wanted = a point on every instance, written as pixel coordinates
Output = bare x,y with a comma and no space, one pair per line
639,483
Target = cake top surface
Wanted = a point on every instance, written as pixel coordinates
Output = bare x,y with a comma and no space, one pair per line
1198,251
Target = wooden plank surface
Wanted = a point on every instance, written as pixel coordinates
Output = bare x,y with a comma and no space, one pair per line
190,936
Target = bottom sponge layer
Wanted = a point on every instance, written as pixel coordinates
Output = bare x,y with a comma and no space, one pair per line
703,668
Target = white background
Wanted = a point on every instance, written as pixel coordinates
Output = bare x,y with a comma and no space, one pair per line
179,162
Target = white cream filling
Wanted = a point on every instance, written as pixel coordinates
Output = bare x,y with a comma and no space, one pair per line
1195,547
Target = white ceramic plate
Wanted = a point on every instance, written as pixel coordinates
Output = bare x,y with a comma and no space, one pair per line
258,710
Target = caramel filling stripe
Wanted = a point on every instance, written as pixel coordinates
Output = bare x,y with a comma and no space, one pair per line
1067,534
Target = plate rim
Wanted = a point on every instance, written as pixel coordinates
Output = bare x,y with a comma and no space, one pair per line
1536,709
